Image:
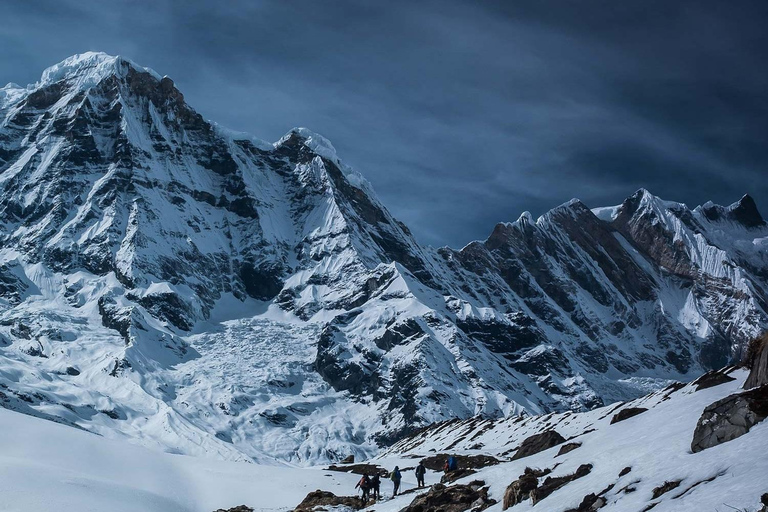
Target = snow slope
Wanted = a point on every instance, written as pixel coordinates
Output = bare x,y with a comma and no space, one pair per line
45,466
655,444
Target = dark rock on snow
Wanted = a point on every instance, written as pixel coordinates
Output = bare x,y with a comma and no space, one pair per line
320,498
569,447
436,462
730,418
456,498
452,476
551,484
627,413
538,443
712,379
241,508
520,490
665,488
757,362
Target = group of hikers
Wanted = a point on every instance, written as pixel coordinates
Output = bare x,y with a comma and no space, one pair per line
371,485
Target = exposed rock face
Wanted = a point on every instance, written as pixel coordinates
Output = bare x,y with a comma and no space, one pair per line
712,378
520,490
551,484
455,498
240,508
730,418
538,443
128,221
757,361
568,447
627,413
436,462
318,499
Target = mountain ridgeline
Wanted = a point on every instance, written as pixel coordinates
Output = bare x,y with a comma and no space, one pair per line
200,290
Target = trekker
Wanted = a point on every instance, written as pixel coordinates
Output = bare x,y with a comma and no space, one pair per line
376,486
420,472
365,485
395,477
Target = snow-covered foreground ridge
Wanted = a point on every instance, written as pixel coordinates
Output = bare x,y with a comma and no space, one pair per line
654,445
45,466
203,292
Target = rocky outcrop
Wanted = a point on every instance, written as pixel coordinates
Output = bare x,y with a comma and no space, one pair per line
520,490
472,497
712,378
318,499
538,443
437,462
757,362
730,418
568,447
240,508
551,484
627,413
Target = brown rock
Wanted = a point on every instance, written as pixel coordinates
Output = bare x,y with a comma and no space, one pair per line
320,498
569,447
456,498
627,413
520,490
551,484
665,488
538,443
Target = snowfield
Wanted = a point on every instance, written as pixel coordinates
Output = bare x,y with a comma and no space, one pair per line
45,466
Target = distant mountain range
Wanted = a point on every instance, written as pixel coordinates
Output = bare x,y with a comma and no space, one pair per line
204,292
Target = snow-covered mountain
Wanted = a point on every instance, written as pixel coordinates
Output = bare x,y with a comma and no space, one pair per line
204,292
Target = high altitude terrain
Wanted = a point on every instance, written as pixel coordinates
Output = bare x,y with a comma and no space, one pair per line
205,292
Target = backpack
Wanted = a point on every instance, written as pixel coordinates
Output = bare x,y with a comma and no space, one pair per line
452,465
395,476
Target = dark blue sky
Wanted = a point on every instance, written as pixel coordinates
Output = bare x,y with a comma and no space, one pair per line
461,114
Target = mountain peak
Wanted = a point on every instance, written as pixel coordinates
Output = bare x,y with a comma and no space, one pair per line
745,211
90,67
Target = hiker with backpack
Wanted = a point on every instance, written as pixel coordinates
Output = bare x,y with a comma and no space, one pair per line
420,472
365,485
376,486
395,476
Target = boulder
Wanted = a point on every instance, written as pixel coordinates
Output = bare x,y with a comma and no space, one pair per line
320,498
590,503
729,418
627,413
472,497
452,476
241,508
757,362
551,484
568,447
520,490
348,460
665,488
711,379
538,443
